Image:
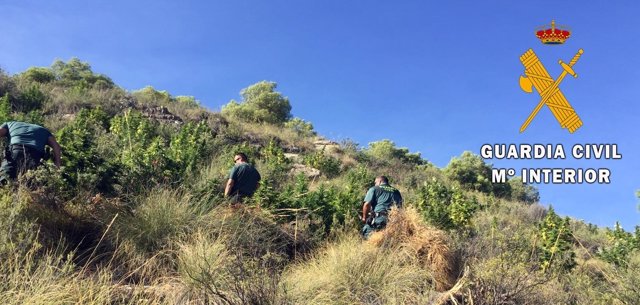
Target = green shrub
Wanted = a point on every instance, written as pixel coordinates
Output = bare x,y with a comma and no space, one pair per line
301,126
38,75
84,166
621,245
188,101
150,96
555,243
329,166
260,103
189,146
273,155
522,192
19,233
30,99
445,208
144,154
5,108
359,178
386,150
461,209
78,74
470,171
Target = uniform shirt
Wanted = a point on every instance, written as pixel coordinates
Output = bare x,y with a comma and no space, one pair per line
382,197
245,179
31,135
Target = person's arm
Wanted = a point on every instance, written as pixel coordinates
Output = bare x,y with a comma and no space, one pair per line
227,189
368,201
56,150
365,210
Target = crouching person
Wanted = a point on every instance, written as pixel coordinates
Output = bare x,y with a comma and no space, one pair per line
243,180
26,148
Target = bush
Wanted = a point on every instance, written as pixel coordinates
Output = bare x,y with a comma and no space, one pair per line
38,75
150,96
260,103
386,150
189,145
555,245
621,245
301,126
273,155
84,166
445,208
327,165
522,192
188,101
78,74
5,108
470,171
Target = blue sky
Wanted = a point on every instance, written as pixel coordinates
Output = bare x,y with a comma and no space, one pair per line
436,77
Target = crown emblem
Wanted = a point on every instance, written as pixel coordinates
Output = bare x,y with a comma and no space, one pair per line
550,34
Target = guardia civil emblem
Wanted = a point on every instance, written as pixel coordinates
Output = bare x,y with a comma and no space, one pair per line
536,76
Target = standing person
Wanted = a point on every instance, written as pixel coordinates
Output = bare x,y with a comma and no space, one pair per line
377,204
26,148
243,181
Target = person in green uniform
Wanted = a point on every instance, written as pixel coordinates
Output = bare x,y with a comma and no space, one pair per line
243,180
26,148
377,204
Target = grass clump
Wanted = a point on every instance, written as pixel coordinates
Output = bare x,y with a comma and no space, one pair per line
351,272
161,217
407,232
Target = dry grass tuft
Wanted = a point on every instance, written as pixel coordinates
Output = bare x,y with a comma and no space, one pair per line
349,271
406,230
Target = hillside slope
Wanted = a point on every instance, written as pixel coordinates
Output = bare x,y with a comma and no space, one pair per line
136,215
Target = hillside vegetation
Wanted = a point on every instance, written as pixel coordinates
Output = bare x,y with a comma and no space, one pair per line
136,215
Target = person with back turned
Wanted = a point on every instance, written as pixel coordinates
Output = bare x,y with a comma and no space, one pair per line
377,204
243,180
26,148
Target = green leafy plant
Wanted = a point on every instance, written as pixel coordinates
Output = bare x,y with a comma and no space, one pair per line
622,244
470,171
260,103
445,208
301,126
555,243
386,150
83,166
328,165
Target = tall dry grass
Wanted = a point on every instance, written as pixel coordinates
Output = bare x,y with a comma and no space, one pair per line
407,231
404,264
352,272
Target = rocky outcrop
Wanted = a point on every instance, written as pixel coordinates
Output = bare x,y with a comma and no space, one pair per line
309,172
326,145
162,114
295,158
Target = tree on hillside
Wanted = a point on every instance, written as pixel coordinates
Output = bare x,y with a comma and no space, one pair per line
76,72
522,192
387,150
470,171
260,103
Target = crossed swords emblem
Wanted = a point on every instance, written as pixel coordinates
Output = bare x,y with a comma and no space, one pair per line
536,76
